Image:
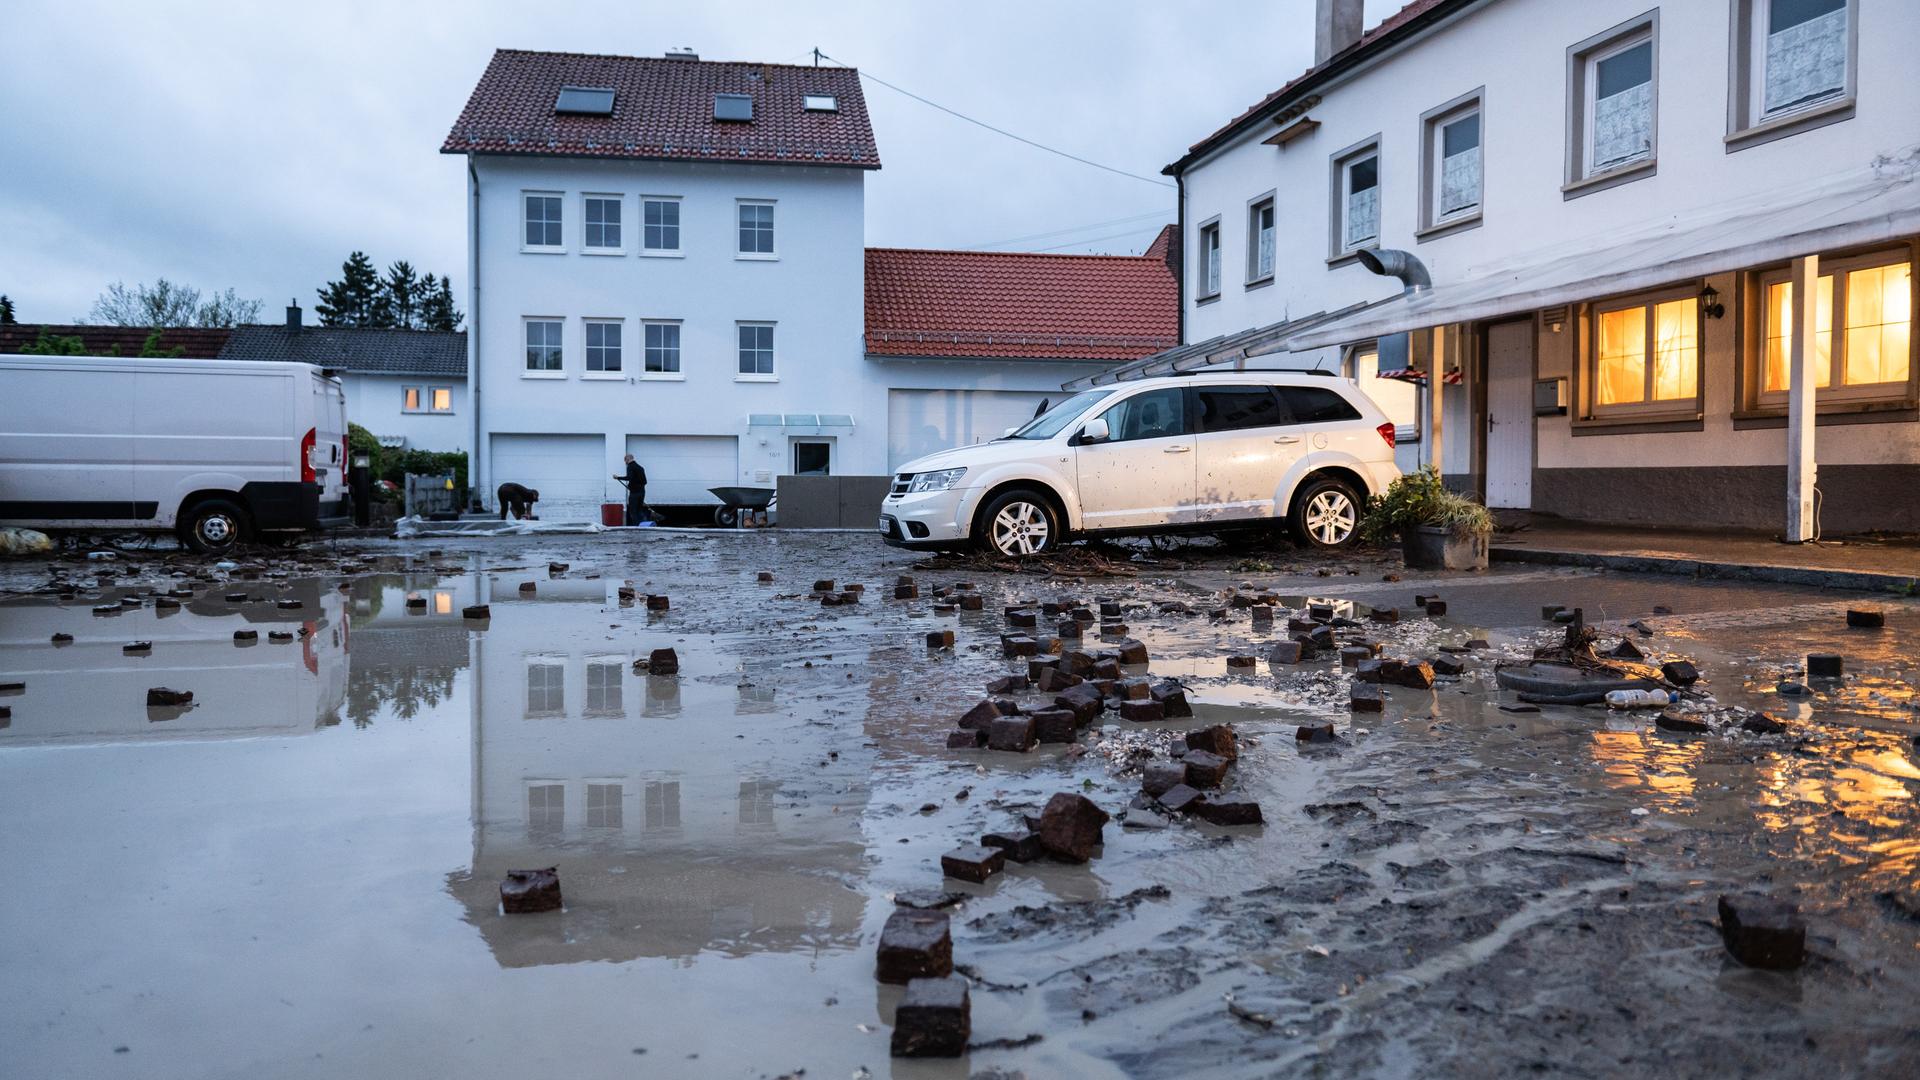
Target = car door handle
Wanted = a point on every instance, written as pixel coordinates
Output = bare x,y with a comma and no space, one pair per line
1287,439
1177,449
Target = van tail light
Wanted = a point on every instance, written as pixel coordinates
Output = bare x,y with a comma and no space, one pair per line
1386,432
307,442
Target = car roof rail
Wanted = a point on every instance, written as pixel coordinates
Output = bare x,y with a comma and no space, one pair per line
1262,371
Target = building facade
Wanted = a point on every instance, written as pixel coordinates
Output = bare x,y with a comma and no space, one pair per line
1598,212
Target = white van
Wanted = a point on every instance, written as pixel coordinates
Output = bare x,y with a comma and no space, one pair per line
218,450
1210,450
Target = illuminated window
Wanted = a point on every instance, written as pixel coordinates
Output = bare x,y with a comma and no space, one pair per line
442,399
1869,352
410,399
1646,355
443,603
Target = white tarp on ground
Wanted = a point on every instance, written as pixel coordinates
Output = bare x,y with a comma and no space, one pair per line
1865,206
409,527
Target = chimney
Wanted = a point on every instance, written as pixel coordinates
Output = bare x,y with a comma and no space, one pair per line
684,52
1336,25
293,317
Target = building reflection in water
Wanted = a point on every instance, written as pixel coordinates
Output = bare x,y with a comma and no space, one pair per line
685,814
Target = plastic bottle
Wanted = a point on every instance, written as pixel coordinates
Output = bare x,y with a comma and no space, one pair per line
1636,699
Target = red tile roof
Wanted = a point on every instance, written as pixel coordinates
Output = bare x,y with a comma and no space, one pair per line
1019,305
663,109
193,342
1313,76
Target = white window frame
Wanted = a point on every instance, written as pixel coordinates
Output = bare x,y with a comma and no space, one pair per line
1206,260
560,200
1748,123
678,251
435,409
793,452
1583,60
620,201
586,372
528,786
530,373
1836,392
419,398
618,804
1433,125
820,103
544,660
774,226
772,376
661,795
1342,162
679,374
1266,203
603,661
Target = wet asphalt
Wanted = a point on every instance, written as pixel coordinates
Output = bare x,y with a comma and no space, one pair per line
298,876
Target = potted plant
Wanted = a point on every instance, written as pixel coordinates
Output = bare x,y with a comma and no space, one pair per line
1438,529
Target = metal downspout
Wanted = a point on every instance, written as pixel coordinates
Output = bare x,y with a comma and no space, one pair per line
474,476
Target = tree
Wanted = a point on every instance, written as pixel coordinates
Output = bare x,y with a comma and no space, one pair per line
166,303
437,309
51,345
403,295
6,310
352,300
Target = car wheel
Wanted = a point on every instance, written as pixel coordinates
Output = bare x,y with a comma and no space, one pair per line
1019,523
215,526
1326,515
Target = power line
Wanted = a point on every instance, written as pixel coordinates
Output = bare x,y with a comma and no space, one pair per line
1074,229
998,131
1092,240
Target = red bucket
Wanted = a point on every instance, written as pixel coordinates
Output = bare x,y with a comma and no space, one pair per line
613,514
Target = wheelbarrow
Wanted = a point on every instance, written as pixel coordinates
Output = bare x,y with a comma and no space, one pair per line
735,499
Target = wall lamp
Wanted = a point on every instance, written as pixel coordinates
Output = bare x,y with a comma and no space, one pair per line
1710,304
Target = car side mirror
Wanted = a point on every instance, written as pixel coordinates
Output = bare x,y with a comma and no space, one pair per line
1008,434
1095,431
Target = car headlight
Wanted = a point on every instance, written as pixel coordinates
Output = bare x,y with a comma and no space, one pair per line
935,481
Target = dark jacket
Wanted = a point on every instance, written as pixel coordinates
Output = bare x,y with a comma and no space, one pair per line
636,477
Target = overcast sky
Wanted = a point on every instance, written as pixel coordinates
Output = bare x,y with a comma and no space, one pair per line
255,146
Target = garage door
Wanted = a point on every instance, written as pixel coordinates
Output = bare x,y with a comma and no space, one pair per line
565,469
926,421
680,468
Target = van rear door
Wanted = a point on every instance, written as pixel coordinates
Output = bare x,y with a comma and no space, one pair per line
330,446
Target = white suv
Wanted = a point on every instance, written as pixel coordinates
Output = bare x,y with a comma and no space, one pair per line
1186,452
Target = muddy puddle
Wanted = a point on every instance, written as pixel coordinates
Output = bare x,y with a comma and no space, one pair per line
298,875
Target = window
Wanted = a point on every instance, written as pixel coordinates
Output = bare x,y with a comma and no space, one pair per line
603,347
812,458
603,806
546,686
542,222
1613,102
601,215
663,348
1399,399
1645,354
756,350
1156,414
442,399
546,807
756,801
1863,329
585,100
1260,241
1356,198
1235,408
604,684
543,347
410,399
663,805
660,226
1451,166
1313,405
732,107
820,103
756,230
1209,260
1792,60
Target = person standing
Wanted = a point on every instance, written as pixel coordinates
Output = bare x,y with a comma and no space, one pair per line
636,481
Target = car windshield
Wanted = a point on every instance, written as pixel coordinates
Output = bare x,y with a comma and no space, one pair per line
1055,420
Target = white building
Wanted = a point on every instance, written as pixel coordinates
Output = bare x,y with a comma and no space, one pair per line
408,387
1611,200
668,260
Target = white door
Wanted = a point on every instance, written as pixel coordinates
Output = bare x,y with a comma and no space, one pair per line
921,422
1510,415
569,471
1143,474
1242,449
680,468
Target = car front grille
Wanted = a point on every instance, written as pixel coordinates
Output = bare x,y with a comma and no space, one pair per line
900,483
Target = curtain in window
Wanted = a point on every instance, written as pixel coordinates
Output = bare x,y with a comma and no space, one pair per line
1620,361
1264,256
1363,216
1806,60
1213,261
1623,126
1460,181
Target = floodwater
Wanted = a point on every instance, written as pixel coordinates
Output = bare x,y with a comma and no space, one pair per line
298,876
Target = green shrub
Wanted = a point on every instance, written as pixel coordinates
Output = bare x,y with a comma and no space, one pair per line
394,465
1419,498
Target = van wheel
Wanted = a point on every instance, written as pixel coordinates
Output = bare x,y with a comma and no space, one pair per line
1018,523
1326,515
214,527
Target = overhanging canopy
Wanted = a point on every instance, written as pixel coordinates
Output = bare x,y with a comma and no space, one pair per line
1865,206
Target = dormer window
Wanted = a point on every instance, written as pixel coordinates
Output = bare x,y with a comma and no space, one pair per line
732,107
585,101
820,103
